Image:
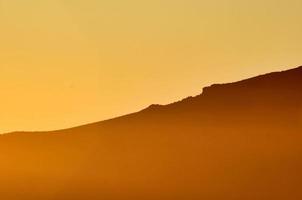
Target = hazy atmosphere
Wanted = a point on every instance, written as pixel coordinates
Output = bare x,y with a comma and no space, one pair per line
69,62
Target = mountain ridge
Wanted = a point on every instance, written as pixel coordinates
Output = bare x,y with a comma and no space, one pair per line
234,141
261,81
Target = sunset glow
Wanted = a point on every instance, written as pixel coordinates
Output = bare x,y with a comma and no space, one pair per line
69,62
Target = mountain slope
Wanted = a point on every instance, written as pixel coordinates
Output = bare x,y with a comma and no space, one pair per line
235,141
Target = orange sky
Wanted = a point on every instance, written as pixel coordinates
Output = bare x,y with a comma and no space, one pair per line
69,62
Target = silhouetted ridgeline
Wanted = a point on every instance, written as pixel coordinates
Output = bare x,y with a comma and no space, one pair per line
234,141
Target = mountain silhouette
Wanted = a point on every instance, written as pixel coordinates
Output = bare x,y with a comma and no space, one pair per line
234,141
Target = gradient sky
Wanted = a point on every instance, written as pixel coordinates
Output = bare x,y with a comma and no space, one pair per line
70,62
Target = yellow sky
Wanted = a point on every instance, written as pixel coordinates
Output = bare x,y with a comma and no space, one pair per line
69,62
